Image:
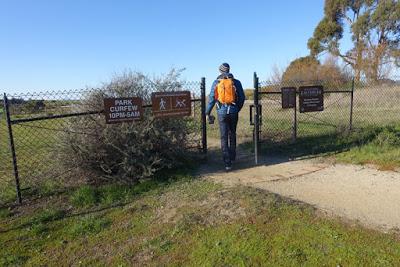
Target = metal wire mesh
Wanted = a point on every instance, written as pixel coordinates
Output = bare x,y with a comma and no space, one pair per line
376,104
373,104
7,190
39,122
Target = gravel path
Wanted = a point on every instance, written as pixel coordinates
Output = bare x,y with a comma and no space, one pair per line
354,192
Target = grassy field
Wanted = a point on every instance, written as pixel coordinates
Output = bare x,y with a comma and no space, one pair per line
184,221
379,146
35,145
373,106
6,192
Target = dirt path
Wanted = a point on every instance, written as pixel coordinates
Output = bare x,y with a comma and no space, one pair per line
353,192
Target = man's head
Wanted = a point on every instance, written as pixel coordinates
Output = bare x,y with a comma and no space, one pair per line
224,68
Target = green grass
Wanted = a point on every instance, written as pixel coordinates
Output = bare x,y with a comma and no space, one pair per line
383,150
372,145
5,213
89,225
87,196
185,221
34,149
47,215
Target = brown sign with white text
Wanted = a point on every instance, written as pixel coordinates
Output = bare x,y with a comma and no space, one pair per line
288,97
171,104
117,110
311,98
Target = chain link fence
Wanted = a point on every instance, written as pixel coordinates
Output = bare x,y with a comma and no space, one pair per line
347,106
38,121
377,105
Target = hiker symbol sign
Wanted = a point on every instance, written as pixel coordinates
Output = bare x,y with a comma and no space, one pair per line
171,104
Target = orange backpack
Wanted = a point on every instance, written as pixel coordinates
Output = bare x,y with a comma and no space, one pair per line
225,91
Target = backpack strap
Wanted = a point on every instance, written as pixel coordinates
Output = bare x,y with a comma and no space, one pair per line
234,87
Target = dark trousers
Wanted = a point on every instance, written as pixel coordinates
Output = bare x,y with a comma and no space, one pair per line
227,128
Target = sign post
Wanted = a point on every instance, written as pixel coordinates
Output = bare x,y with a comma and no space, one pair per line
117,110
311,98
171,104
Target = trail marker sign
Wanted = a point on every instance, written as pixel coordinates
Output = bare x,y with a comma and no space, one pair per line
171,104
288,97
311,98
117,110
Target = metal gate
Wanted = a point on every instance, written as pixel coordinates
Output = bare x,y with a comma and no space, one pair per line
277,125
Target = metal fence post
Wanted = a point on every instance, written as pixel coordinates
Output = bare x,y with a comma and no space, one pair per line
351,105
294,130
12,148
256,119
203,115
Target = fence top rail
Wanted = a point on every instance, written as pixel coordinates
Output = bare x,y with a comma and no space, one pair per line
297,92
76,114
193,86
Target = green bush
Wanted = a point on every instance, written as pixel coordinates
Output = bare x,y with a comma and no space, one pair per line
389,137
126,152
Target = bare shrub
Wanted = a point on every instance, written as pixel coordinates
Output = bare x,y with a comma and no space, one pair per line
125,152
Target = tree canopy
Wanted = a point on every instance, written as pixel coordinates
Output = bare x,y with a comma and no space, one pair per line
309,69
375,32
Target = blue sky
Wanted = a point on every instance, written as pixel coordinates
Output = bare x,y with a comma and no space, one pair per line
70,44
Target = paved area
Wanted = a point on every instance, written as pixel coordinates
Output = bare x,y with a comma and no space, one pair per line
354,192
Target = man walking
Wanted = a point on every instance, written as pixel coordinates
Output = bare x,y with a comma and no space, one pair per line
227,94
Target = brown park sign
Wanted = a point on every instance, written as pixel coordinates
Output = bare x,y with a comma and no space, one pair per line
288,97
117,110
171,104
311,98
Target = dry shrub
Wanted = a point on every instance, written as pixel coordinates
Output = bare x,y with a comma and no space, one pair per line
125,152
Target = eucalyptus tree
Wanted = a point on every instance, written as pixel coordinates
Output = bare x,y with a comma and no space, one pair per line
375,34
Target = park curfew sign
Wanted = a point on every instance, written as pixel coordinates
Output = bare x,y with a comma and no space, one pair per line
171,104
117,110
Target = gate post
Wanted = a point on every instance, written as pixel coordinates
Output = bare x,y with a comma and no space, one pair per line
256,119
351,106
203,115
12,148
294,130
